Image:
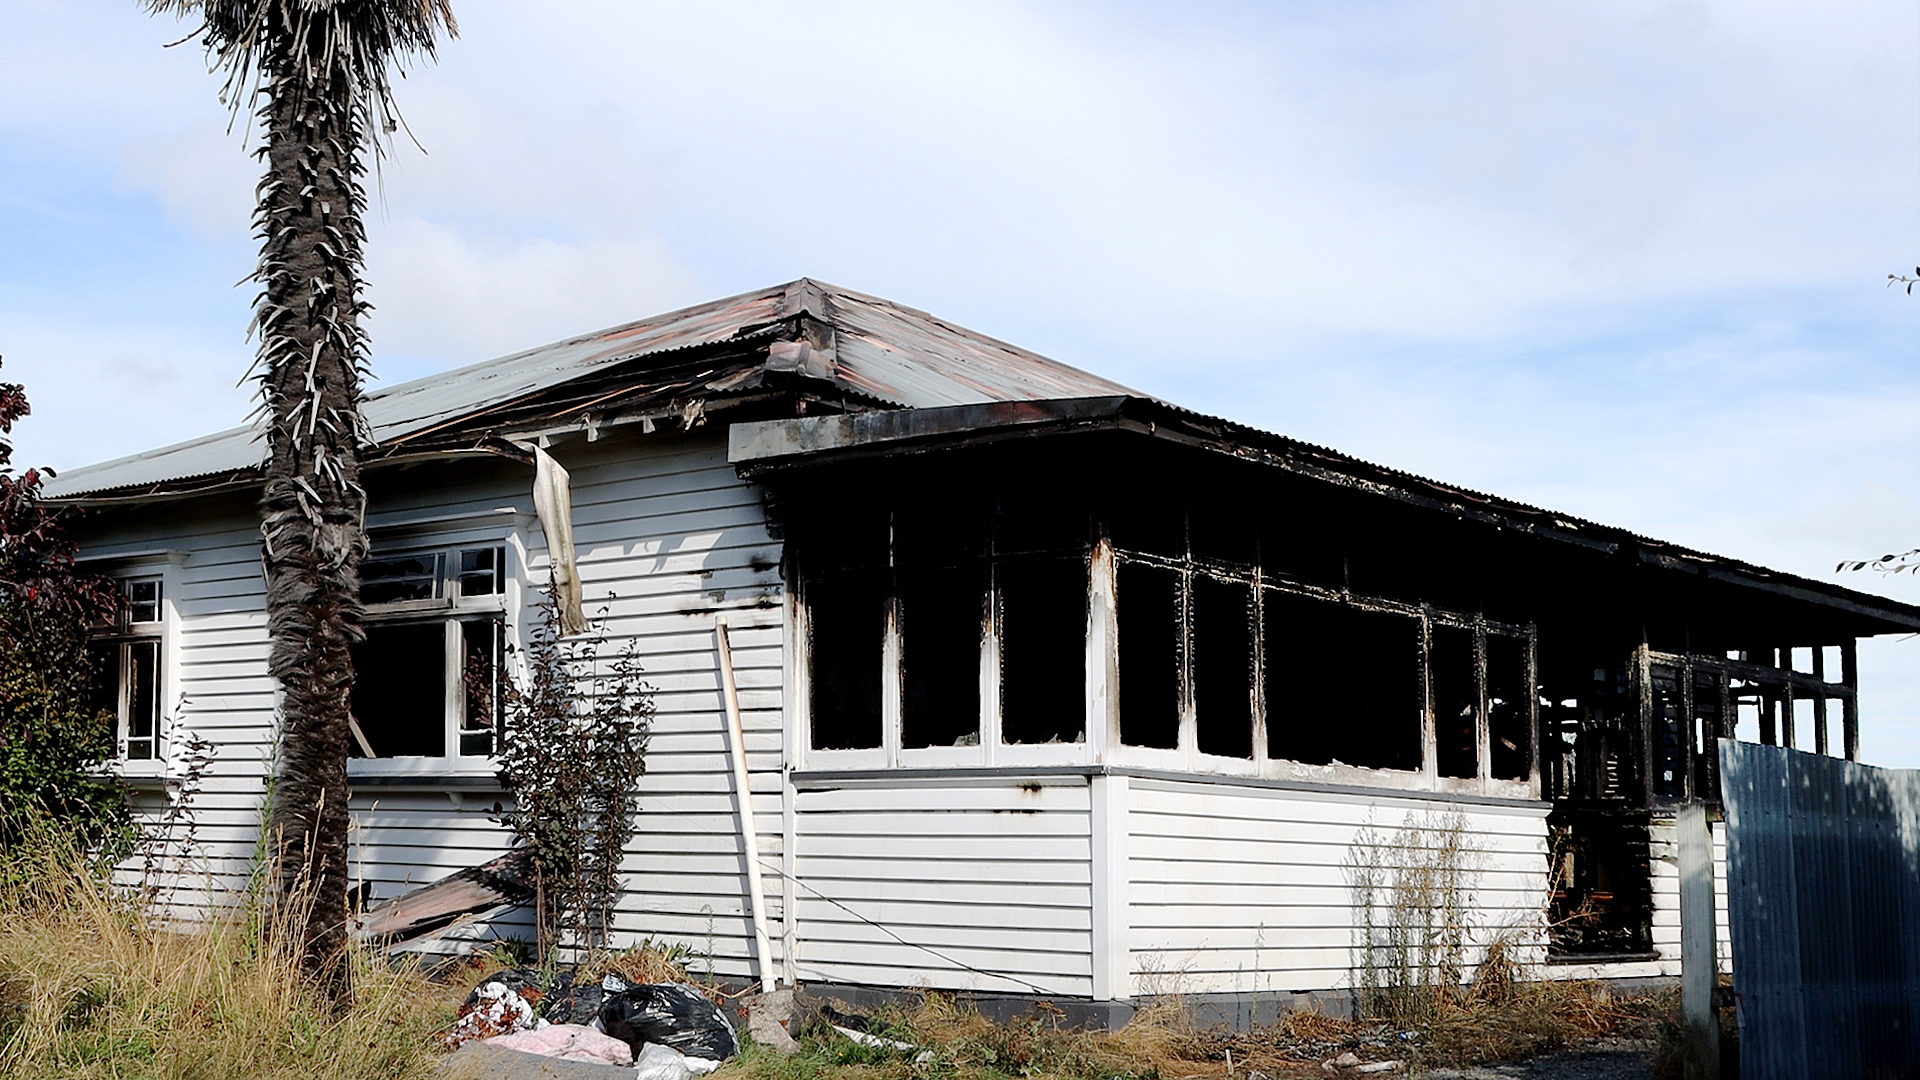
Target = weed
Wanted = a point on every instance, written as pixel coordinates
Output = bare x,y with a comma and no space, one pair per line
92,985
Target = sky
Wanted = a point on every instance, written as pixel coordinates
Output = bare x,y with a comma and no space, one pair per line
1625,259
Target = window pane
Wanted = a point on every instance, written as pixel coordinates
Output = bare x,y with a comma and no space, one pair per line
482,571
1507,698
1148,604
400,689
105,697
1043,651
940,634
143,601
1456,702
1223,666
1343,684
400,577
143,697
480,641
847,616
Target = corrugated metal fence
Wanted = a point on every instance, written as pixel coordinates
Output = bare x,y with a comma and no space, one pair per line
1823,873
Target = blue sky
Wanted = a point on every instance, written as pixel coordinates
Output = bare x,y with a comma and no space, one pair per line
1623,259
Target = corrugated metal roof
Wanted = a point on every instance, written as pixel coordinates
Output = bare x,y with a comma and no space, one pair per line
880,349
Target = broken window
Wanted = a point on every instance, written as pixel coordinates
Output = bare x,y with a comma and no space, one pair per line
847,626
428,671
1343,683
1454,686
1043,650
1509,717
941,622
1601,897
126,674
1147,601
1223,666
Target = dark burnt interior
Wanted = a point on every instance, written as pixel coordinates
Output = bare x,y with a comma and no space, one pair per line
1327,619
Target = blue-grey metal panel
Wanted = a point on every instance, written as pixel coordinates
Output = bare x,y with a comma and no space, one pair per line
1823,874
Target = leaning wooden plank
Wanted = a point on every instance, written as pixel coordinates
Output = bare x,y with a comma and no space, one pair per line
505,880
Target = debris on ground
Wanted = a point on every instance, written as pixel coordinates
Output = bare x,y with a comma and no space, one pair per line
661,1062
669,1014
503,1003
567,1042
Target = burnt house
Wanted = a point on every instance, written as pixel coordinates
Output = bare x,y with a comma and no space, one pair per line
1050,688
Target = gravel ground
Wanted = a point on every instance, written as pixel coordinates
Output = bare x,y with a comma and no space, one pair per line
1612,1058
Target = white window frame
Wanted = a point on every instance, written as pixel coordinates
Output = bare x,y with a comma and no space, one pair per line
162,632
449,609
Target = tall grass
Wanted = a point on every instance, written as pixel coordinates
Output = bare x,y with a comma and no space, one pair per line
93,984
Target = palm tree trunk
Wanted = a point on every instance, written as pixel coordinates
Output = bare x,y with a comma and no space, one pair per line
311,346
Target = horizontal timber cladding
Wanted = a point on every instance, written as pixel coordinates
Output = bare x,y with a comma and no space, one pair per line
213,686
980,883
668,539
1244,890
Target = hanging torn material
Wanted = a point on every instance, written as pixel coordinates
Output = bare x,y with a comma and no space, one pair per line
553,502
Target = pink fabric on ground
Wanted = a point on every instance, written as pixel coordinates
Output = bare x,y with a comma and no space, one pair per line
568,1042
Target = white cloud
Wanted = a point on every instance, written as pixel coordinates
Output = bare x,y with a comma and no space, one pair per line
1619,258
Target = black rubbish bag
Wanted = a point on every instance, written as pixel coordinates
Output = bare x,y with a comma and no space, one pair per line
570,1004
671,1014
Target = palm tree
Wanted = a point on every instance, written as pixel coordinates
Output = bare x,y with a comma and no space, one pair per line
317,73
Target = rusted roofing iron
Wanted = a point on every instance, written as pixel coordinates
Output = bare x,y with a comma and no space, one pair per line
863,345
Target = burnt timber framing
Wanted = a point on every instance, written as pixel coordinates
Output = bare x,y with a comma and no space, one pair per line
1641,654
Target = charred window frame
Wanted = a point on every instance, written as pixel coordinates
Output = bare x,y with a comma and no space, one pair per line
429,671
947,629
128,675
1786,696
1222,660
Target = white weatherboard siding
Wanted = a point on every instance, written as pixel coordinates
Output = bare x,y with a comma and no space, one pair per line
1239,889
668,539
213,681
993,874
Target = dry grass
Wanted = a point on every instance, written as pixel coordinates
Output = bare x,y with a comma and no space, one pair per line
91,986
1162,1042
647,962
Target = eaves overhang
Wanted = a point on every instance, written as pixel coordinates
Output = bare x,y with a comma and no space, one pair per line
766,450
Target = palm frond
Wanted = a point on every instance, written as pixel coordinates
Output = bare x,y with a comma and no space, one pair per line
353,45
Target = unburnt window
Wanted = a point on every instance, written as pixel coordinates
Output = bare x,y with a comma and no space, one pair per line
428,671
125,657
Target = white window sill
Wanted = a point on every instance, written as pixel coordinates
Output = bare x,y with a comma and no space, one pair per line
471,773
141,773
